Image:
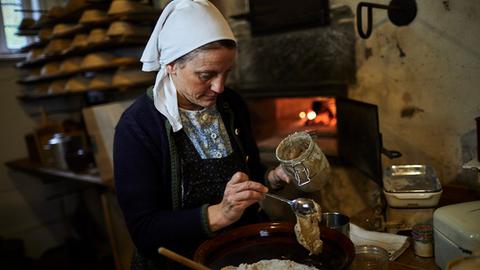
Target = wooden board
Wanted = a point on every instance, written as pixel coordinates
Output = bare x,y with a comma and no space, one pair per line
100,121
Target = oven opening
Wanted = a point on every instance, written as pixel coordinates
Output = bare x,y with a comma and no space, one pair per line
275,118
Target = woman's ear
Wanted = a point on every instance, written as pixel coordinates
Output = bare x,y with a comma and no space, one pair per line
171,68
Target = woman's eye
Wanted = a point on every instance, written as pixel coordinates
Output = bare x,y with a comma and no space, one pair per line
206,76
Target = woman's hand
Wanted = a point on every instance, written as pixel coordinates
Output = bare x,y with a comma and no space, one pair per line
277,177
239,194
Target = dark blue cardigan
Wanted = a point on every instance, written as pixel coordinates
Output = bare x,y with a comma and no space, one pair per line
146,169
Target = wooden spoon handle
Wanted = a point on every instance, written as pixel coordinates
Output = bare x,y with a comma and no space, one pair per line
181,259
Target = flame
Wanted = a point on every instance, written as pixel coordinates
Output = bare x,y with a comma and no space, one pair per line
311,115
325,116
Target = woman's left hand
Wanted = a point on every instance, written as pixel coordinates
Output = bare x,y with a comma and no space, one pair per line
277,177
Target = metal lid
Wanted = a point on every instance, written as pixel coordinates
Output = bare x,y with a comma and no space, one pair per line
460,224
410,178
58,138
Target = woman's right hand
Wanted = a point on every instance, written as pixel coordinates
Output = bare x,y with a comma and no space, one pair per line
239,194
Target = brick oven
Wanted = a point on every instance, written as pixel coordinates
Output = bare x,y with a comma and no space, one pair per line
346,130
282,116
291,80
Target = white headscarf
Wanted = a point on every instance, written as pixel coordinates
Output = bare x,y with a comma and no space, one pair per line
183,26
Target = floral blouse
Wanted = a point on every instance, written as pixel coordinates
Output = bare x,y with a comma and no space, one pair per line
207,132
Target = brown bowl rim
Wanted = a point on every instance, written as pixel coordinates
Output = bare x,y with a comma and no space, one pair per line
267,229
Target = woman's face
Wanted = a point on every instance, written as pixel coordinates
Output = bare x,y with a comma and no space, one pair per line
201,79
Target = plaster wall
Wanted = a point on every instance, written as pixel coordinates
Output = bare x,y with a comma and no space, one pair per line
425,79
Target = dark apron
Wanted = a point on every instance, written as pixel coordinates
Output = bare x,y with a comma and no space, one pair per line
203,182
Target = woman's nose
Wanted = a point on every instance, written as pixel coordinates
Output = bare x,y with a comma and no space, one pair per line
218,85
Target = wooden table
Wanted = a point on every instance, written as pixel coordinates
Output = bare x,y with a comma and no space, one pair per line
80,181
452,193
408,260
34,168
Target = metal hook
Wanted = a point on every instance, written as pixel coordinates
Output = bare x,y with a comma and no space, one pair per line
400,13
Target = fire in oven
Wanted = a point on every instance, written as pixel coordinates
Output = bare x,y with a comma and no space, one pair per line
275,118
344,129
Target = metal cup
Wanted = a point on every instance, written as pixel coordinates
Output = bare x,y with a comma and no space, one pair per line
56,149
337,221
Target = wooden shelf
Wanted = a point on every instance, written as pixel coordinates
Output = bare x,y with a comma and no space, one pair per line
108,44
81,28
35,44
46,78
74,15
118,88
27,32
77,28
34,168
140,17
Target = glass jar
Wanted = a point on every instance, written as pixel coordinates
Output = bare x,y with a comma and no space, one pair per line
303,161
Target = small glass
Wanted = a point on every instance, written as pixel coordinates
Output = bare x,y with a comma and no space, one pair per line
369,257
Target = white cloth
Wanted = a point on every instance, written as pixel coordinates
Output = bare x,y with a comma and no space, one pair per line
183,26
393,243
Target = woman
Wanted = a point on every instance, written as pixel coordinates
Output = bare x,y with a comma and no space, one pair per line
186,164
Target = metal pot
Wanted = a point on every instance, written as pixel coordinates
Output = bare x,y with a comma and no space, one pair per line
57,146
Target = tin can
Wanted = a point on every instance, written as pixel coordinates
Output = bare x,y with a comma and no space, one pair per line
422,236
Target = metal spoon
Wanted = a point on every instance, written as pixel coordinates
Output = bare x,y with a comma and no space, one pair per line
301,206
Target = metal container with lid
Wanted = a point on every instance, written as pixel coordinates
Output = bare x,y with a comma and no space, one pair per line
57,146
411,186
456,232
